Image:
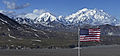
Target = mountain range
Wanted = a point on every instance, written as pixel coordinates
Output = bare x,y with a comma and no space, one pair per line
46,29
83,16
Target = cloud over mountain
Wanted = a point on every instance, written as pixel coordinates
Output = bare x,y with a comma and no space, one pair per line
34,14
37,11
9,13
13,5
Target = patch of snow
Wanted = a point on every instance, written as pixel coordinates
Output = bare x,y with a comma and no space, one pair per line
11,36
34,30
43,32
8,29
19,38
9,40
4,21
59,17
37,40
110,33
36,35
33,44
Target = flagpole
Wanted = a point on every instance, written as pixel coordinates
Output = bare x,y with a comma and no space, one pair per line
79,54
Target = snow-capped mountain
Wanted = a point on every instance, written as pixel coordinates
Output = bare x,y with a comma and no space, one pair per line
24,20
62,19
84,16
45,18
90,16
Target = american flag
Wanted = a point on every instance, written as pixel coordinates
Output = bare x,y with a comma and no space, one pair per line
90,35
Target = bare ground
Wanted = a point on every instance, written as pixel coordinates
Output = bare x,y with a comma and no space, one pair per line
91,51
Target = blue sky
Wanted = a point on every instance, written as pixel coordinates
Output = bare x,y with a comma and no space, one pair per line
66,7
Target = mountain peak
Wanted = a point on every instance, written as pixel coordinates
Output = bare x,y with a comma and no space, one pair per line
47,13
46,17
84,9
91,16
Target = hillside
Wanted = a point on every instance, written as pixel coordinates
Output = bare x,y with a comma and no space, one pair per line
13,34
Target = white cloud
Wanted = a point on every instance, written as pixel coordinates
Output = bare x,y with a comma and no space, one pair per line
7,12
36,13
31,16
13,5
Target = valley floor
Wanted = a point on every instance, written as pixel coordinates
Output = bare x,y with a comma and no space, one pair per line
88,51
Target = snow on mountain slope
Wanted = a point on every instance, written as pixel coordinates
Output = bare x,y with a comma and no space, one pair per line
24,20
83,16
61,19
45,18
90,16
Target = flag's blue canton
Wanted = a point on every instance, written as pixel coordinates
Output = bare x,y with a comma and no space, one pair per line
84,31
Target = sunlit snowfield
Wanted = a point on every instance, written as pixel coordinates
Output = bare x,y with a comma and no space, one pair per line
91,51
